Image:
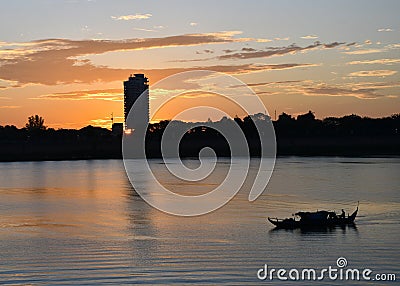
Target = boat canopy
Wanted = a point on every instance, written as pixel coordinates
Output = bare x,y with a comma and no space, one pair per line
319,215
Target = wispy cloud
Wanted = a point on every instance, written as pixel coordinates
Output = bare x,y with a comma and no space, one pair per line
249,68
4,84
376,73
364,52
132,17
281,39
372,62
309,37
97,94
206,51
362,90
360,51
393,46
273,51
195,94
333,45
262,40
375,84
144,30
101,122
385,30
327,90
9,106
245,49
153,29
268,83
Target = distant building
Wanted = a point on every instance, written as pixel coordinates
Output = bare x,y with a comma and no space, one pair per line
134,87
117,129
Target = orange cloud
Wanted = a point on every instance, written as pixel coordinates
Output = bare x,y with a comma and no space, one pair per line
9,106
97,94
268,83
373,73
364,52
309,37
379,61
238,69
52,61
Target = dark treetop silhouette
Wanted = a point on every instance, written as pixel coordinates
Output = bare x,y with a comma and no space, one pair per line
35,122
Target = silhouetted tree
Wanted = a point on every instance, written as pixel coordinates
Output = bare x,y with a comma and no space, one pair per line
238,121
285,125
35,122
308,117
285,118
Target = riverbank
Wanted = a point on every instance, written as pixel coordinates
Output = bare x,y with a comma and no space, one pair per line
42,150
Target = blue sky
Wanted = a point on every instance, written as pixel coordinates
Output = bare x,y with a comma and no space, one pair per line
340,20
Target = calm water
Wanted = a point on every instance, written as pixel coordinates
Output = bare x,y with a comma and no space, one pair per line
80,222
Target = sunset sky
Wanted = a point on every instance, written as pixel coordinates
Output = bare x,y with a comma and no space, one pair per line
66,60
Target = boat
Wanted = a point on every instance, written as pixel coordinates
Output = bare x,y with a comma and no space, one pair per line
316,219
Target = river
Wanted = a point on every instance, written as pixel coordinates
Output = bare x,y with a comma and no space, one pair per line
81,222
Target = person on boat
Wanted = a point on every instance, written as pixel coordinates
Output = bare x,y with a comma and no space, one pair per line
343,214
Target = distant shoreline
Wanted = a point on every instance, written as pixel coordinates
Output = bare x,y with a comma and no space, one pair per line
193,158
43,150
34,158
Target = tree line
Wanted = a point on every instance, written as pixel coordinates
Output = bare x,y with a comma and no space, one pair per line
296,135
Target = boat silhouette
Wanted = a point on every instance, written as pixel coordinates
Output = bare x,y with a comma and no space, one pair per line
316,219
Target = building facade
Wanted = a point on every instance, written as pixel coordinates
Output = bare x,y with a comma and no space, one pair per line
136,94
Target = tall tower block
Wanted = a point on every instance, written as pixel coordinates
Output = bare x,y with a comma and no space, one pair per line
136,90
